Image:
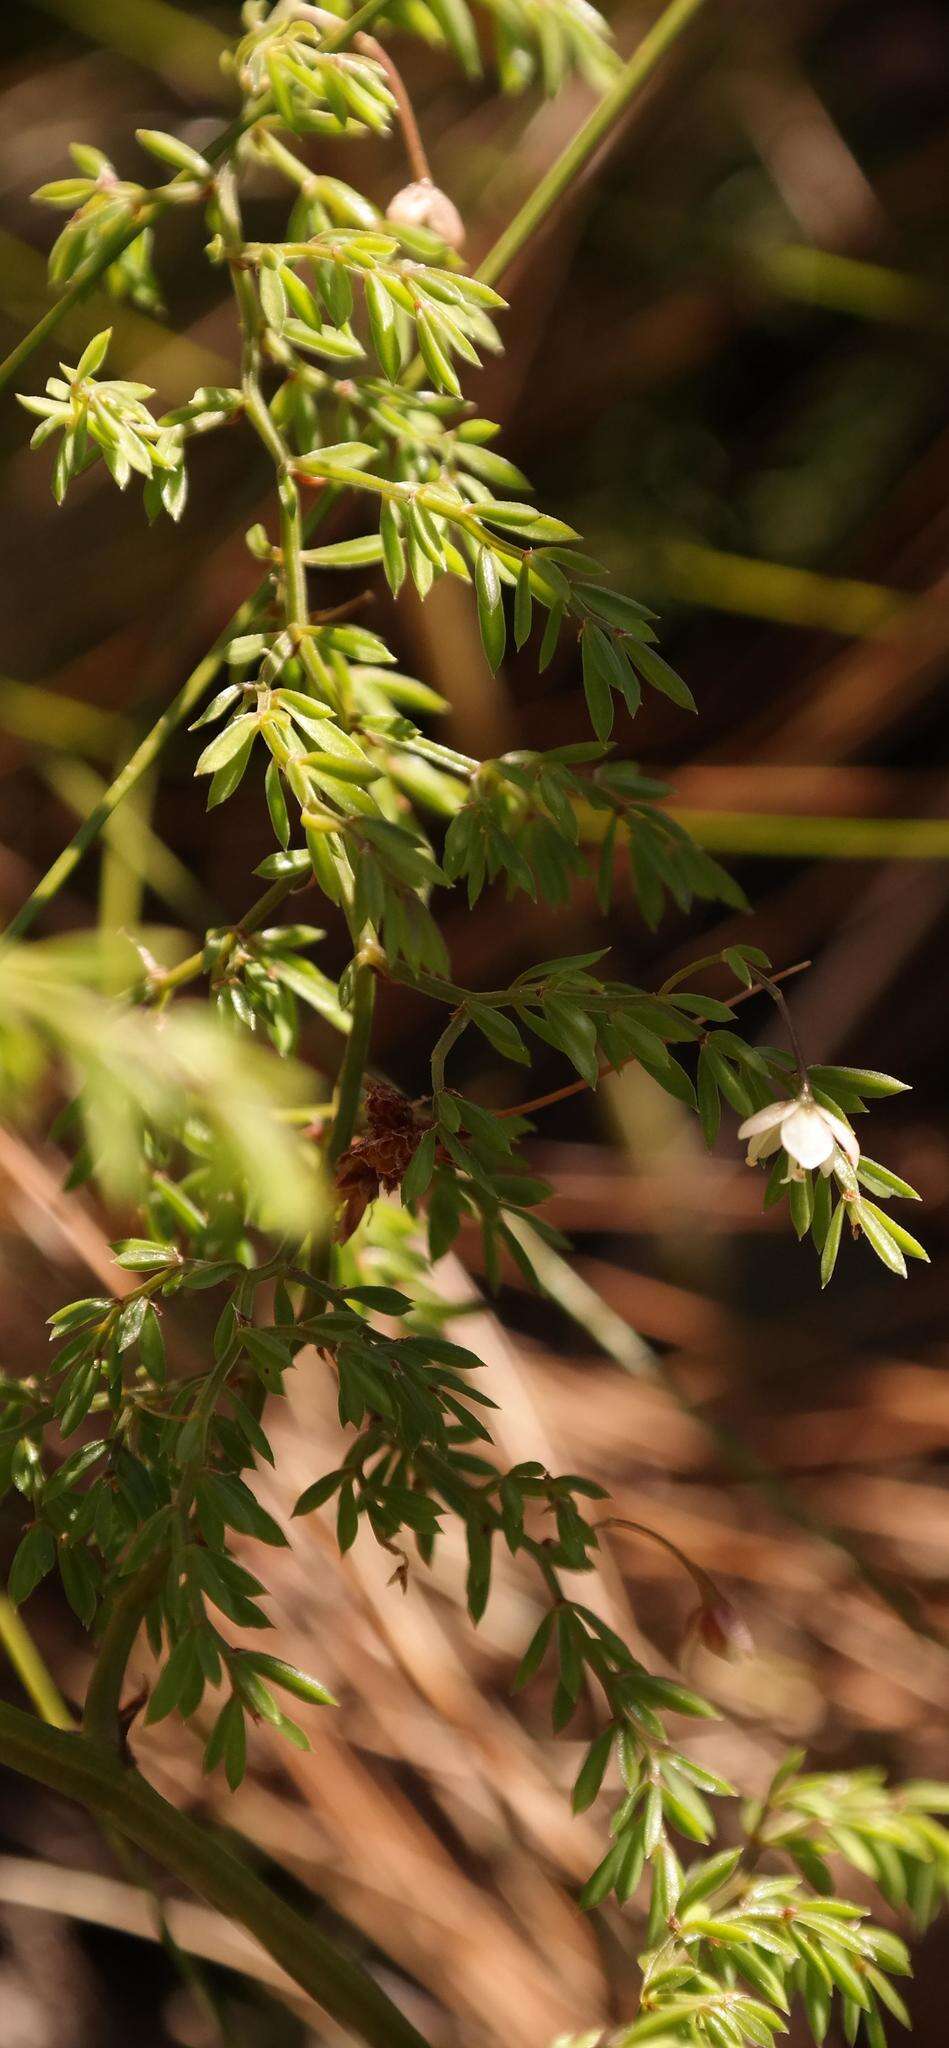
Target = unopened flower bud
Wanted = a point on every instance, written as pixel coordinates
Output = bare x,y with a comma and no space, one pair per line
721,1629
423,205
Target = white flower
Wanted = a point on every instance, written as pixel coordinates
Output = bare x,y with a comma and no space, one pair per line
811,1136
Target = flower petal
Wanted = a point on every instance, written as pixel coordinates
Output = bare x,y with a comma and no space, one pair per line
806,1135
846,1138
765,1119
762,1146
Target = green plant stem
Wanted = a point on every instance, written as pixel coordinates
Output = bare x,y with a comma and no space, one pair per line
101,1718
96,1779
794,836
190,968
130,835
40,1687
452,1032
145,754
297,615
168,40
362,19
779,998
47,719
87,275
349,1084
296,612
37,1682
557,181
291,545
187,700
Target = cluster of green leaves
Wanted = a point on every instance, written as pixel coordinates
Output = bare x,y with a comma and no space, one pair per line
162,1491
260,979
444,312
101,205
890,1837
163,1487
729,1950
534,41
455,524
527,815
338,726
848,1090
142,1088
284,61
467,1164
181,1113
595,1024
108,418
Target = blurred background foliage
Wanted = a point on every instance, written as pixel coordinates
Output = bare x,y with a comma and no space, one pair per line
726,363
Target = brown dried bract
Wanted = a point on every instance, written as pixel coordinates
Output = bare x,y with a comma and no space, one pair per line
379,1157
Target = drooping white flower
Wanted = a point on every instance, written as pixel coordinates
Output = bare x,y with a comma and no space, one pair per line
811,1135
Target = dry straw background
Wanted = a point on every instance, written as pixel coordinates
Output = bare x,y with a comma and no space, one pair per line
726,362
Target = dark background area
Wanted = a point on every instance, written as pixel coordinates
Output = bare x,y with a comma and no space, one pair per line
726,364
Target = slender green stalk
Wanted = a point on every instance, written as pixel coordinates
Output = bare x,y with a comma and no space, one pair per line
189,969
88,274
557,182
95,1778
121,881
291,544
172,42
756,589
46,718
452,1032
37,1682
362,19
848,284
130,835
296,613
180,708
101,1718
186,701
797,837
40,1686
349,1085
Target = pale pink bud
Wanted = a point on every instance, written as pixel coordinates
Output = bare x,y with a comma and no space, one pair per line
720,1628
423,205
